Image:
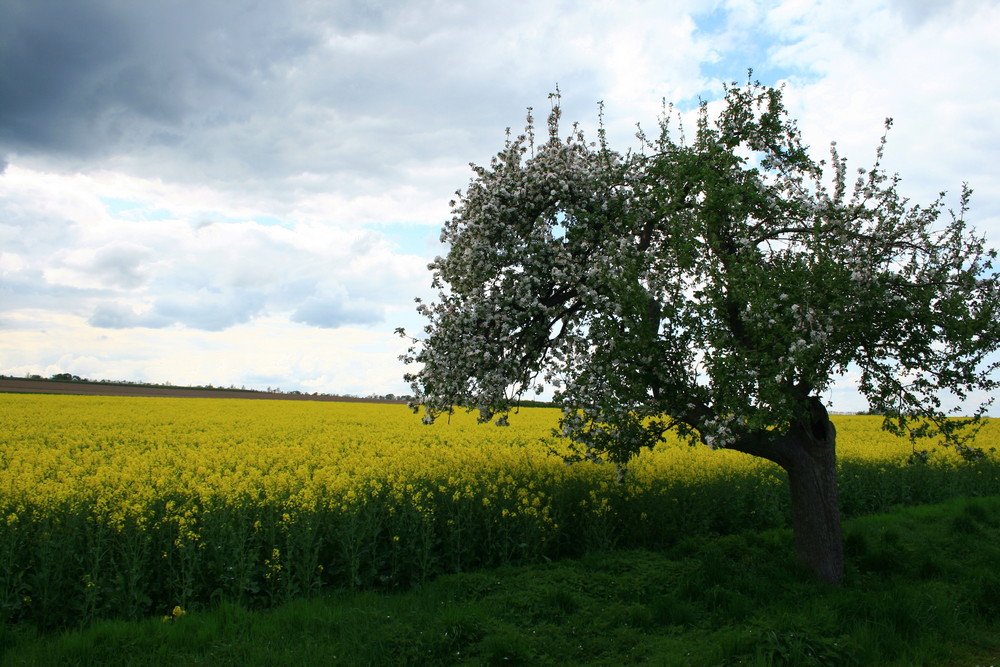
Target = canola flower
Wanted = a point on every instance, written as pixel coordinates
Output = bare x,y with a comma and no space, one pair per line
175,614
108,504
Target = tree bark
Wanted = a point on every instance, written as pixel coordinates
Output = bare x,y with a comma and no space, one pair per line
808,454
812,480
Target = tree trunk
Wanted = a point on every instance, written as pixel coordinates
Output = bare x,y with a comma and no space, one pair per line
812,479
808,454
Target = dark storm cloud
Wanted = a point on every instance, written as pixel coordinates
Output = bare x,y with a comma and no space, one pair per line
86,78
236,92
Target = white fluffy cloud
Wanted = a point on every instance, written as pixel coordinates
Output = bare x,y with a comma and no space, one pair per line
929,66
245,194
131,264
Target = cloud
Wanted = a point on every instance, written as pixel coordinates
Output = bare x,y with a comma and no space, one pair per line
206,310
85,79
155,262
117,265
209,310
337,98
114,315
335,312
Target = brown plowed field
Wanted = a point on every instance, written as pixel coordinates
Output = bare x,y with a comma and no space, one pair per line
99,389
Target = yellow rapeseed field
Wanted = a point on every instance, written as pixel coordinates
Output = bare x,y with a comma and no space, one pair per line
123,453
112,505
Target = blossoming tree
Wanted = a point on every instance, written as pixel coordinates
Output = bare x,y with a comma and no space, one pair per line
716,288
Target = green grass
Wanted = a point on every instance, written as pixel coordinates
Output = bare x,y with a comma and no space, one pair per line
922,588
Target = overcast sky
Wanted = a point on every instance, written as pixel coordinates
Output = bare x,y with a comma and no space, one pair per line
248,193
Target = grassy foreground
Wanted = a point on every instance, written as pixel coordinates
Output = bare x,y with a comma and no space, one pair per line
922,589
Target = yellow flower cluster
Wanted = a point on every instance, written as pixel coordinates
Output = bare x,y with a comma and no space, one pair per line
175,614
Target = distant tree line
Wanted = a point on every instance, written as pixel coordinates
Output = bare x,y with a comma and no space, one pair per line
70,377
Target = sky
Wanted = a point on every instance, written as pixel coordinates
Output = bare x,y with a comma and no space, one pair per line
247,193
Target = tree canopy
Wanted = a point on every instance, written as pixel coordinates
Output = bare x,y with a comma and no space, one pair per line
715,287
